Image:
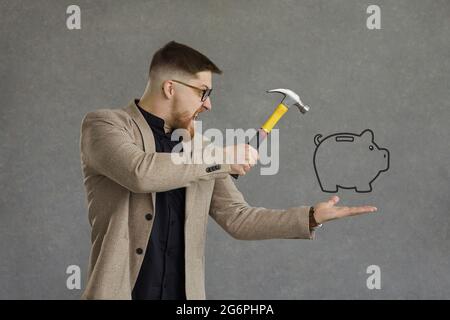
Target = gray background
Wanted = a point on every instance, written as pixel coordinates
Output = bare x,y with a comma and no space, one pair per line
394,81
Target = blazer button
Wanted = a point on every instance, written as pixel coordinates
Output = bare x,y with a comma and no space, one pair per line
139,251
149,216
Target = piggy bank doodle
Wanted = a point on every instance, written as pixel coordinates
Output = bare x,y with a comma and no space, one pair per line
348,161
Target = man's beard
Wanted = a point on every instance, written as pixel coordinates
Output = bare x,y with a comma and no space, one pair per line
188,124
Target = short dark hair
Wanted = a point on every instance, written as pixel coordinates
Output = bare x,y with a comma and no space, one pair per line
179,57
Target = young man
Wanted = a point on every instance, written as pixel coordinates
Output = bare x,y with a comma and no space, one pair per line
149,214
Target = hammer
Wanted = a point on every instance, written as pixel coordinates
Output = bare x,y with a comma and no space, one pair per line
290,99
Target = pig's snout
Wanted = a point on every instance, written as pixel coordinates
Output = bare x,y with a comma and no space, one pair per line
385,154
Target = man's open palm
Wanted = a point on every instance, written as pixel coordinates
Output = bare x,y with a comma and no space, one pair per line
325,211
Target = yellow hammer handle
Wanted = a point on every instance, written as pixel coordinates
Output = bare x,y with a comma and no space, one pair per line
273,119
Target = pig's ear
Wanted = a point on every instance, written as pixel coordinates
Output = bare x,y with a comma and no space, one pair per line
367,135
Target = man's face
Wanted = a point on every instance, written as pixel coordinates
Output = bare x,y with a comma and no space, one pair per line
187,101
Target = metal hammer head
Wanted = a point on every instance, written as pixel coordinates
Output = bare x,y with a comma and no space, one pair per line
291,99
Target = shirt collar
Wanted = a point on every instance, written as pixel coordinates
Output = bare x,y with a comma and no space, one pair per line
155,122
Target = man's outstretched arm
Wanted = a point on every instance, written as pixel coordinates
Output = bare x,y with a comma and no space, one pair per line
241,221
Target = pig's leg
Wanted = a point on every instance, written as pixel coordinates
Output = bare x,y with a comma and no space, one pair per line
329,187
363,188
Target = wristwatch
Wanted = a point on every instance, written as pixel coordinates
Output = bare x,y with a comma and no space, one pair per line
312,220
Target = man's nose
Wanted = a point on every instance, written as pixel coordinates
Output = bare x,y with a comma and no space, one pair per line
207,104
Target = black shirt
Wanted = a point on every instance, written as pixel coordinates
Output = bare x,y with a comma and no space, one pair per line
162,275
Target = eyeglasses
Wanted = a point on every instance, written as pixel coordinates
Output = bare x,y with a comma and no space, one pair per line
205,92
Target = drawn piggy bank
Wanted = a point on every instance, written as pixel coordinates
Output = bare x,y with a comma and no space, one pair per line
348,161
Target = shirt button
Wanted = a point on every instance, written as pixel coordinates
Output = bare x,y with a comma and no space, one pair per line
149,216
139,251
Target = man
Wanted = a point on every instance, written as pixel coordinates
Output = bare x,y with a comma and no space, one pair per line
149,214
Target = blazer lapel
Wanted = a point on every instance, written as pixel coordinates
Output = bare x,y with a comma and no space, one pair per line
146,133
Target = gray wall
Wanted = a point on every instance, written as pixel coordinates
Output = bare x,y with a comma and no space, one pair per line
394,81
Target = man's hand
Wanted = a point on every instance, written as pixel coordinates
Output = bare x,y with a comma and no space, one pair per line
325,211
241,157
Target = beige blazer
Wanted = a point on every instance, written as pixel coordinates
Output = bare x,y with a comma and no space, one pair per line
122,173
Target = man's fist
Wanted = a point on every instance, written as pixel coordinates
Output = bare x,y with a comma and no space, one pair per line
325,211
241,157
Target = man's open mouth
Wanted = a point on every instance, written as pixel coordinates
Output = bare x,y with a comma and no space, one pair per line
195,117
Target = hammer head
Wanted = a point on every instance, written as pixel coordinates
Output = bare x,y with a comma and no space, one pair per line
291,99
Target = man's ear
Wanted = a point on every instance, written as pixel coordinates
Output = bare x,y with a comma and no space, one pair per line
167,89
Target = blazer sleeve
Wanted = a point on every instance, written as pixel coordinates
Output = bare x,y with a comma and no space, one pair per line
230,210
108,147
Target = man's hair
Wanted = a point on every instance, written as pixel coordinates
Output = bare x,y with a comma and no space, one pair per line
179,57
